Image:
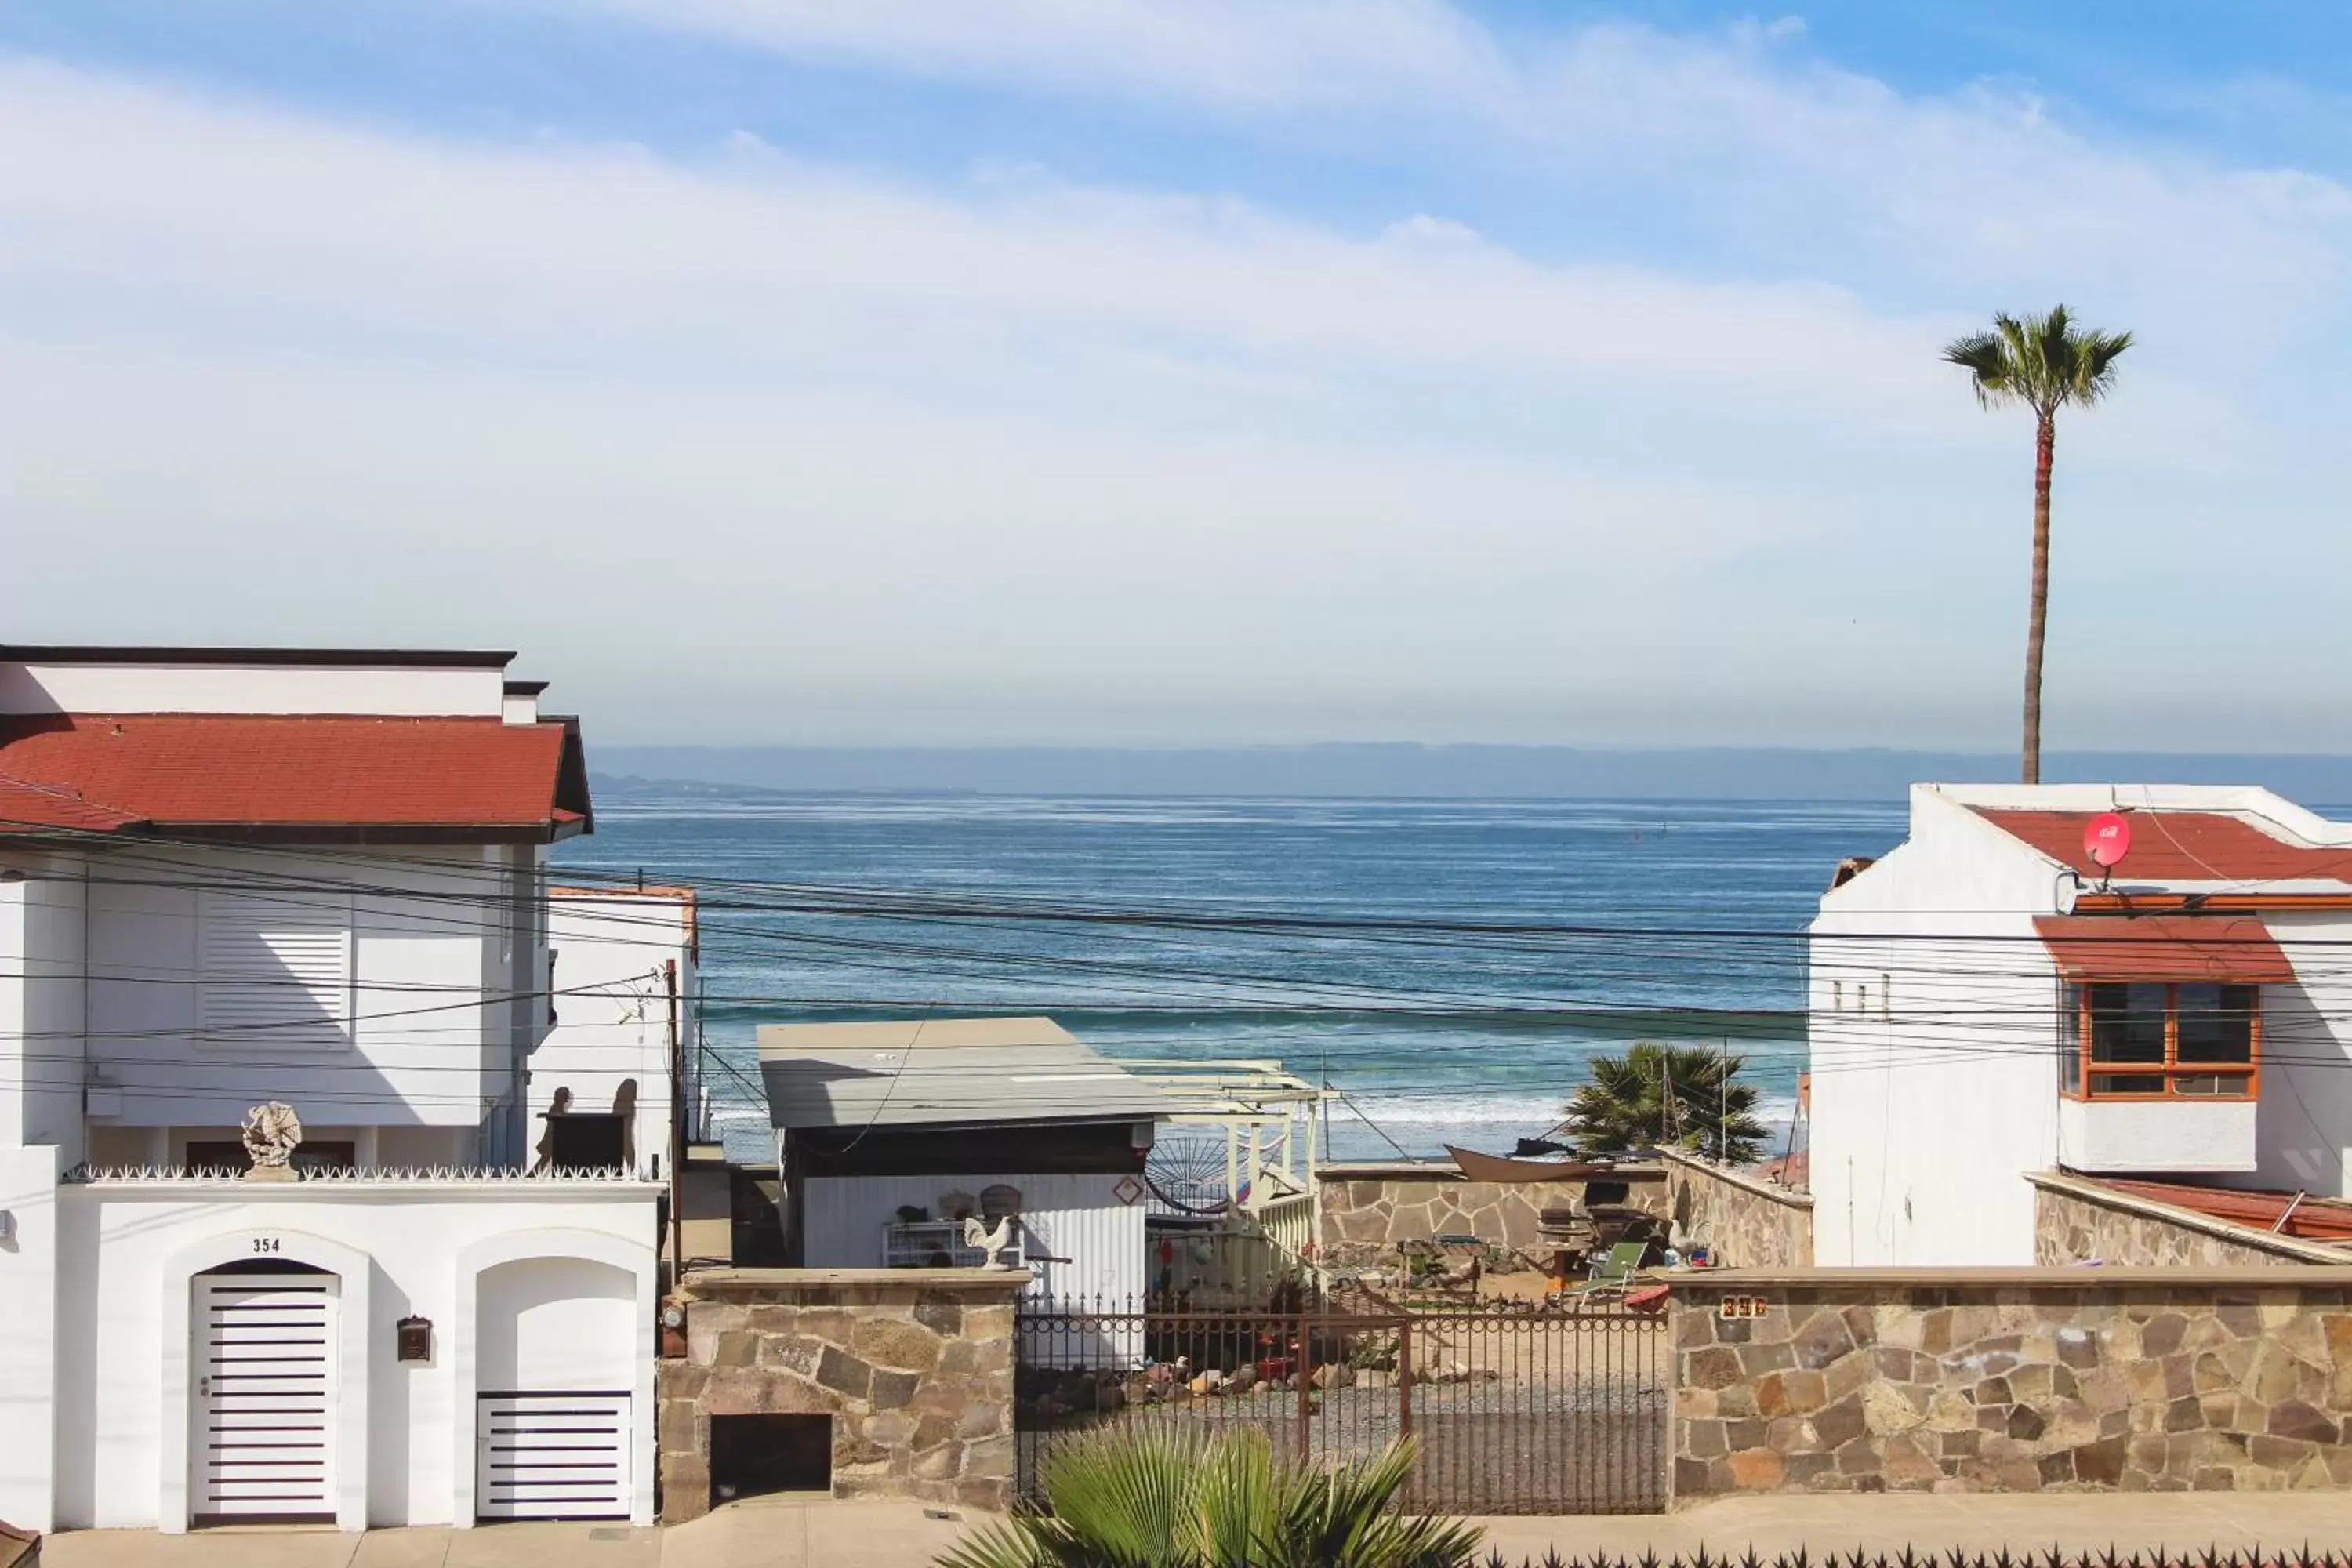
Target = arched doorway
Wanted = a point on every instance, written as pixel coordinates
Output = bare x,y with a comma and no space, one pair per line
556,1369
263,1393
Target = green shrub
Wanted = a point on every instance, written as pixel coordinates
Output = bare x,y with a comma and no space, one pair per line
1157,1497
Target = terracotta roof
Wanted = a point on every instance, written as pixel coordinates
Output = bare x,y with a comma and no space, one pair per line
230,773
2178,846
2319,1219
2164,947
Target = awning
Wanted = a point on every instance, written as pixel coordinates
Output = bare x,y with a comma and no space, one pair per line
2234,949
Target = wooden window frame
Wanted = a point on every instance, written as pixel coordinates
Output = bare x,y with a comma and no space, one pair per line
2171,1067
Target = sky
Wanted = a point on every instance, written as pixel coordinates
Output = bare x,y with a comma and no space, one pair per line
1038,371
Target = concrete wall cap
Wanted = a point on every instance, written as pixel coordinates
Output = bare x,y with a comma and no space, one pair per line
1792,1197
719,1281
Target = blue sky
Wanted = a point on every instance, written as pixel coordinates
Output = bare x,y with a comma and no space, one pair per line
1021,370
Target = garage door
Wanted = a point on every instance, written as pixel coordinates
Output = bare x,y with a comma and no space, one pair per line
553,1455
264,1366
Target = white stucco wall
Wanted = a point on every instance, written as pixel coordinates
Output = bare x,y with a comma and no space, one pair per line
612,1008
441,979
2174,1137
445,1251
1934,1059
1076,1217
28,1325
2302,1136
43,995
128,688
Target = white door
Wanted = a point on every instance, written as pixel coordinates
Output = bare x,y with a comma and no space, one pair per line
553,1455
263,1364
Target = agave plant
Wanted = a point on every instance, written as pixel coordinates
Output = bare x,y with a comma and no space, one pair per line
1166,1498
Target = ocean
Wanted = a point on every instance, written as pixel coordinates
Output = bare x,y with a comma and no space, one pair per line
1435,1032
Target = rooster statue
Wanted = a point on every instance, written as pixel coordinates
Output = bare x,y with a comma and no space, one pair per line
992,1243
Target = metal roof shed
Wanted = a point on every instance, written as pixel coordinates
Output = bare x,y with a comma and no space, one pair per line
945,1072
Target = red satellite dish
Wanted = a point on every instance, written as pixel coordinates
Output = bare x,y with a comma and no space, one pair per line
2106,839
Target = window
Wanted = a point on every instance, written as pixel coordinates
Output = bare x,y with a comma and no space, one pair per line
2142,1040
277,970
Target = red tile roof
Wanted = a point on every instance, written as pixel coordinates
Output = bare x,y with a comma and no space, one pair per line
2316,1219
2178,846
112,773
2164,947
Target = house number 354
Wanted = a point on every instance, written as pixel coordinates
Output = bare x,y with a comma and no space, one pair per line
265,1244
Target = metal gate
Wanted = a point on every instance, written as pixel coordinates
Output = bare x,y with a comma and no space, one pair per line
263,1447
1515,1409
553,1455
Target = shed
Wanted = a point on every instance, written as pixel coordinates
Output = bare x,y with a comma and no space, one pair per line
888,1132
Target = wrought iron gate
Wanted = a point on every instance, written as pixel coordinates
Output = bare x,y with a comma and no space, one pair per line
1515,1410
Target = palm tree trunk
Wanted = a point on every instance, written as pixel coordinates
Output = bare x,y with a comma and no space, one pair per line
2044,444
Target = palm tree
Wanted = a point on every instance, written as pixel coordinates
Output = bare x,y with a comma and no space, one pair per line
1168,1496
1676,1096
2045,362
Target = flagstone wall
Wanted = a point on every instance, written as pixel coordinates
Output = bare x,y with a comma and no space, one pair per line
1744,1221
2012,1379
2079,1221
1368,1209
913,1366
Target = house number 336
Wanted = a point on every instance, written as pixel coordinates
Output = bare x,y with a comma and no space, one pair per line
1734,1307
265,1244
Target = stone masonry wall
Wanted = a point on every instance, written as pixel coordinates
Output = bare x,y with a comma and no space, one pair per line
916,1373
2078,1222
1746,1222
2016,1381
1368,1209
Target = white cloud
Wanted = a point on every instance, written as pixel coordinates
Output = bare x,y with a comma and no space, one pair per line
1782,156
1025,459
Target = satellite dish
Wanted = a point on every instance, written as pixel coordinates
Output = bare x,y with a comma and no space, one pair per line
2106,839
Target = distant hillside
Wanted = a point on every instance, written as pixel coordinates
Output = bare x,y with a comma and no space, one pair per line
1352,770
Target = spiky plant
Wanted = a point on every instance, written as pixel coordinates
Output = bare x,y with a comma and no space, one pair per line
2045,362
1672,1096
1160,1497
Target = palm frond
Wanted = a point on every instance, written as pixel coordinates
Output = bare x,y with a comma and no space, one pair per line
2044,361
1156,1498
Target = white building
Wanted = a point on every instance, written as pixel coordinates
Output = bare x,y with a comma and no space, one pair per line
235,877
1986,1002
621,1019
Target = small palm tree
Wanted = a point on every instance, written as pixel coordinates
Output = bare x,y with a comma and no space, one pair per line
1672,1096
2045,362
1162,1497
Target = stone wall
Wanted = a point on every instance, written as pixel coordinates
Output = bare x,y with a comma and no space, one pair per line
2078,1221
914,1366
1746,1222
2011,1380
1366,1210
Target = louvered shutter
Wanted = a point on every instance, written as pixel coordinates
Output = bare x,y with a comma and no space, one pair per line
277,970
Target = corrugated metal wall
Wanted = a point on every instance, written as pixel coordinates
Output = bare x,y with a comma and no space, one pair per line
1076,1217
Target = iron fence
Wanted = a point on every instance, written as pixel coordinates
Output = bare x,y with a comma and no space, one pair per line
1515,1409
1928,1557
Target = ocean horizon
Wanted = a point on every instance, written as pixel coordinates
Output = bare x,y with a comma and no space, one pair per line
1436,1027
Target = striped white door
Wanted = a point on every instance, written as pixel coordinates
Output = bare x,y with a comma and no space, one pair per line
263,1363
553,1455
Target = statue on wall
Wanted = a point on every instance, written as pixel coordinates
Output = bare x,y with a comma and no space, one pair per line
272,1133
